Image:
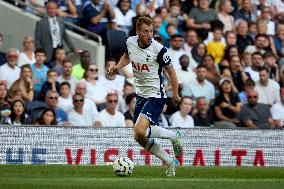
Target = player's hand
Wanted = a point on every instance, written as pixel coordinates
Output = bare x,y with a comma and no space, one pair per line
176,99
112,70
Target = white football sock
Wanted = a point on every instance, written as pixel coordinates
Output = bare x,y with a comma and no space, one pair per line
159,132
155,149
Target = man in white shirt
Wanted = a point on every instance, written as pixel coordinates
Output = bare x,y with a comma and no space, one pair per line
110,117
257,62
10,72
277,110
267,89
66,76
181,118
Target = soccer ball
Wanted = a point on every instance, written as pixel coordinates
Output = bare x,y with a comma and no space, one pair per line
123,166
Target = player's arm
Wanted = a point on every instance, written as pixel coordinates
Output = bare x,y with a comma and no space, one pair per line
124,60
174,82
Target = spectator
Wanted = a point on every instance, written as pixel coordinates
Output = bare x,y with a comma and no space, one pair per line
2,54
130,101
110,117
114,83
79,116
128,89
199,86
96,14
66,76
266,14
10,72
239,76
268,89
226,106
57,63
243,38
24,84
176,51
201,16
68,11
224,8
270,61
203,116
38,7
185,74
28,55
277,110
157,23
95,91
213,75
254,114
4,105
123,15
50,32
51,100
216,48
246,13
248,85
230,38
279,40
49,84
65,98
197,54
79,69
260,44
89,105
257,63
18,115
181,118
39,71
192,39
47,117
230,51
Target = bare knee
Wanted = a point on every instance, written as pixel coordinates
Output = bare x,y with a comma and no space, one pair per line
139,135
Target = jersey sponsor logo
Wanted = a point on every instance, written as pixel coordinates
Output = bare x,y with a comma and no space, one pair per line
140,67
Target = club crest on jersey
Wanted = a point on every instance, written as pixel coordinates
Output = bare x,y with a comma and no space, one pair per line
140,67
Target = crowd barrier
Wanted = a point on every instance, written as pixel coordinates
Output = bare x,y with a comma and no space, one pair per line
100,146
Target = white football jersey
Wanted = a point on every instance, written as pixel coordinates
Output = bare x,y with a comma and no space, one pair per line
147,64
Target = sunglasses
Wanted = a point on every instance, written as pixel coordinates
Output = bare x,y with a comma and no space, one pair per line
252,97
92,69
12,56
79,100
111,101
51,97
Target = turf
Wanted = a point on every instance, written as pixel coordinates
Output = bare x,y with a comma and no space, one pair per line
84,177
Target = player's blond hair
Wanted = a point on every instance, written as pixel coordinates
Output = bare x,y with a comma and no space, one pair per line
143,20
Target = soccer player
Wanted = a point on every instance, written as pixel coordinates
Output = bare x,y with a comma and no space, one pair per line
148,59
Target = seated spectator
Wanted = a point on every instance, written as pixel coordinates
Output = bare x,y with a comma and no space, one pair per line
47,117
199,86
163,119
245,12
243,38
57,63
39,71
66,76
230,38
65,98
254,114
18,114
192,40
181,118
248,85
268,89
24,84
79,69
213,75
270,61
123,15
185,74
96,14
10,72
110,117
216,48
50,84
4,105
203,116
277,110
95,91
130,101
80,117
198,53
128,89
227,105
224,8
257,63
2,54
28,55
51,100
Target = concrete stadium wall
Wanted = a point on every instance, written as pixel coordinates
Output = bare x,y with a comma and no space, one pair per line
15,24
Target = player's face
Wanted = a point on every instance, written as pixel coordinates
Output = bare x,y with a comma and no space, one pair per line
145,33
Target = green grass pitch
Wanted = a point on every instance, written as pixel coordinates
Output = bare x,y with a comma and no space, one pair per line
144,177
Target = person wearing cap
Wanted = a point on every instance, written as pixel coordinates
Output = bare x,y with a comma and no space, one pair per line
227,105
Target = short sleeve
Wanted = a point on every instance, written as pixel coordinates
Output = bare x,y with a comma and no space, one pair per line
164,58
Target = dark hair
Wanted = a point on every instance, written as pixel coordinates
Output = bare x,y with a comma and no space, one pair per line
227,51
50,71
65,83
256,53
66,60
249,82
40,50
264,68
13,115
200,66
261,35
50,1
176,36
269,54
110,60
183,56
129,98
41,120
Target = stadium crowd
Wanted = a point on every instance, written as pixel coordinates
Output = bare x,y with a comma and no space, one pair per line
228,56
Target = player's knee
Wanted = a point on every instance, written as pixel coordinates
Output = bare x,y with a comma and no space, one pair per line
139,135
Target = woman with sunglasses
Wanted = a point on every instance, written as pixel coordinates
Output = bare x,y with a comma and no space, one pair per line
95,91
